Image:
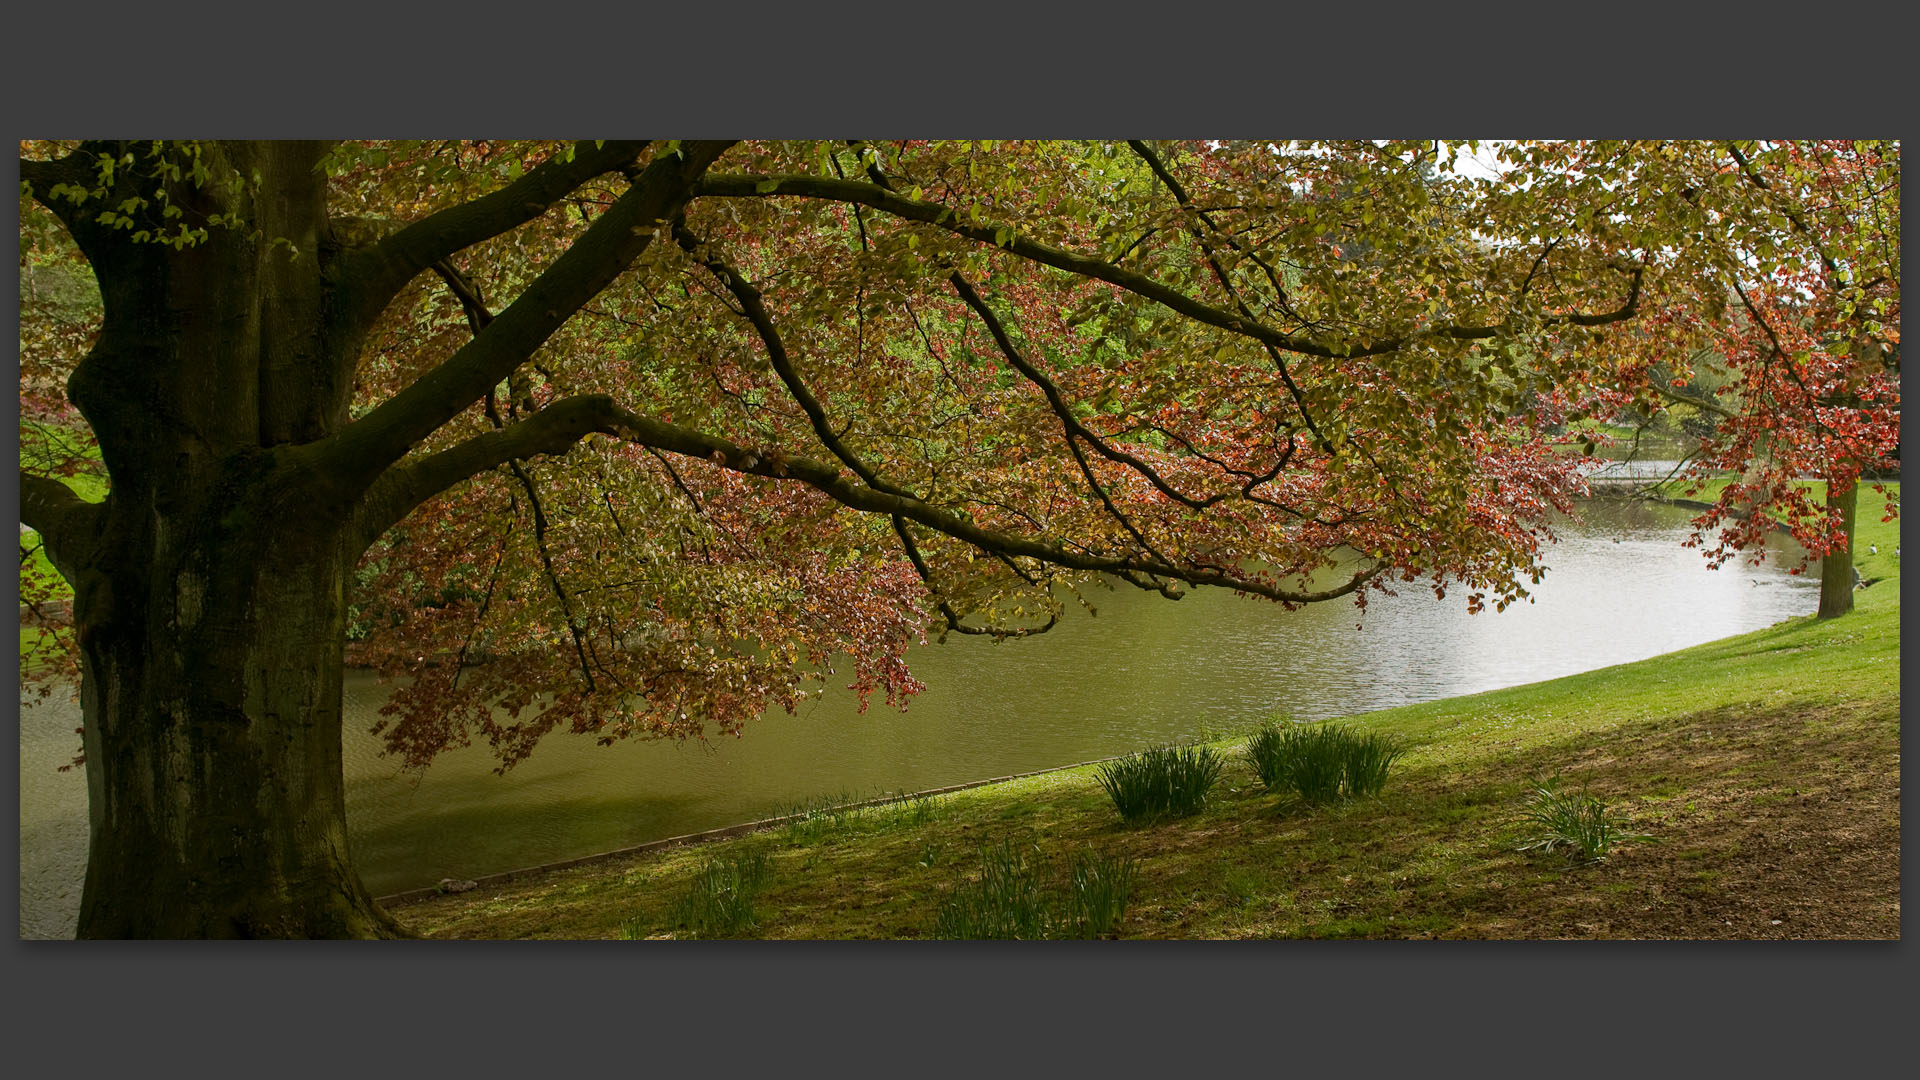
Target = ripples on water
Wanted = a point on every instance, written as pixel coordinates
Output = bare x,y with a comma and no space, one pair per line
1145,670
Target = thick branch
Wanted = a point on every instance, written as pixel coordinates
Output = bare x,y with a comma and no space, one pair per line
815,187
552,430
379,271
464,290
1700,403
368,446
43,176
67,523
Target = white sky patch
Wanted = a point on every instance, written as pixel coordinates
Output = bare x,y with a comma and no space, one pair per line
1478,161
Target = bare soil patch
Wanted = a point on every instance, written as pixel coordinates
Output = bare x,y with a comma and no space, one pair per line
1788,826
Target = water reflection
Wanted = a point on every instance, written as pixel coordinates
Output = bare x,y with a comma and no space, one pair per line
1618,588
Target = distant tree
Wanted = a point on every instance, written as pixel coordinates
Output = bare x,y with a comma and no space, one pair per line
1802,310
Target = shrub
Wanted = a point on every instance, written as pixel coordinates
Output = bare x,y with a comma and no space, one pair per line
1162,781
1321,762
1574,823
719,900
1013,898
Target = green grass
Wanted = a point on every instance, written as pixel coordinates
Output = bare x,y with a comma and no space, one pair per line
1767,765
1098,888
845,812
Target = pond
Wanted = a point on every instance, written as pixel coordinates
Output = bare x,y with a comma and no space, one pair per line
1144,671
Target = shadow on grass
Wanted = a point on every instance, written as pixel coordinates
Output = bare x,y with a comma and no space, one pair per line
1766,813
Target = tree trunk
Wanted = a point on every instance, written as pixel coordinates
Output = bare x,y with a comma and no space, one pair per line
211,689
209,587
1836,567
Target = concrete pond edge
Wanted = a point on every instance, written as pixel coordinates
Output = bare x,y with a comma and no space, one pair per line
728,832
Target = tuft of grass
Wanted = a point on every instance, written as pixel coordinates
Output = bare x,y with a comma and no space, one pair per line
1162,782
917,809
1368,757
1099,887
1304,760
1006,901
718,902
1014,898
1321,762
1574,823
813,819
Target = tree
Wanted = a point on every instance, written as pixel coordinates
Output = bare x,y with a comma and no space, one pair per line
1801,308
661,430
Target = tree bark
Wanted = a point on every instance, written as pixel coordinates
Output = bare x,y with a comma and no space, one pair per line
1836,567
211,685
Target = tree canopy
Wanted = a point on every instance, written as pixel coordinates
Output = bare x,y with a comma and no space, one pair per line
854,386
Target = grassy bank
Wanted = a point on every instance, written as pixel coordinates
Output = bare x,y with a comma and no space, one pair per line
1763,772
